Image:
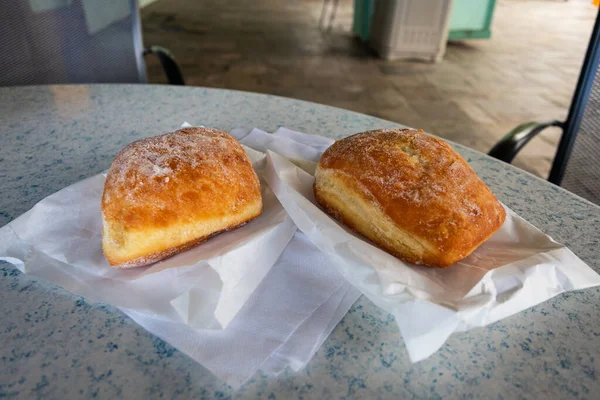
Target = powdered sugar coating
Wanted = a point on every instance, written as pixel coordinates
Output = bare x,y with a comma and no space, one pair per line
421,183
177,179
145,169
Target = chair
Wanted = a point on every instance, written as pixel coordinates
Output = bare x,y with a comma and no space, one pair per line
75,41
332,13
576,165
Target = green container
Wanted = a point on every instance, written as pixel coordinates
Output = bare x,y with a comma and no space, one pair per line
470,19
363,11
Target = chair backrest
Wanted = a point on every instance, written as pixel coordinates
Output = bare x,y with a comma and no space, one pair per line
70,41
576,166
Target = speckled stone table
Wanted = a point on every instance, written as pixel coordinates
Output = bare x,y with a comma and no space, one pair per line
57,345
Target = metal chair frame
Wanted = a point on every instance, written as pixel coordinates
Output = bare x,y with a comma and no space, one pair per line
507,148
134,52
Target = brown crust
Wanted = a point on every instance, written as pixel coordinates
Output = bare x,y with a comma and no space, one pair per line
425,187
167,193
189,174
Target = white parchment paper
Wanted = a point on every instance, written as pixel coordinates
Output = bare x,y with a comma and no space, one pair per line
282,324
517,268
269,322
240,302
64,230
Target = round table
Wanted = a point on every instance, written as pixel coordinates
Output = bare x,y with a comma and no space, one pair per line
58,345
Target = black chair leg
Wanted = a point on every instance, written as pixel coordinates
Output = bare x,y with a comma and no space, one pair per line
170,66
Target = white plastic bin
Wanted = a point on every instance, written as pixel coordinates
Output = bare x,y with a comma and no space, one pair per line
409,29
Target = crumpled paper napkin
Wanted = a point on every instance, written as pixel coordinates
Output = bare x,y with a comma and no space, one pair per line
235,304
517,268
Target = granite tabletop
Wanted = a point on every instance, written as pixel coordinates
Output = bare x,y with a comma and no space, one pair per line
54,344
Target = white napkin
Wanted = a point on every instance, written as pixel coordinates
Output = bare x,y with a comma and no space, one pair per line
64,230
286,146
299,349
517,268
320,143
275,328
284,317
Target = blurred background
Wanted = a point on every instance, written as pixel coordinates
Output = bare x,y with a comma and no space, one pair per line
466,70
524,65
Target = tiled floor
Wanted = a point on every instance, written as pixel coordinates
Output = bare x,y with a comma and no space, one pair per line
481,90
